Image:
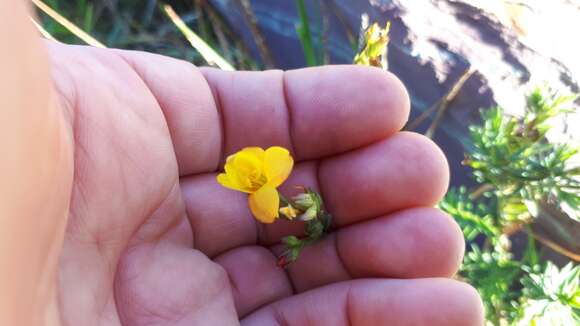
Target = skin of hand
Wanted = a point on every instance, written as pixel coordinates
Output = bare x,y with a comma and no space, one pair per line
114,216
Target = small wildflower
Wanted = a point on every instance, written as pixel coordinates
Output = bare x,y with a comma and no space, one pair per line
258,172
375,46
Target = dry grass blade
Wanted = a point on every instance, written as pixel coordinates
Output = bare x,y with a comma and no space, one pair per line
68,24
42,31
220,34
209,55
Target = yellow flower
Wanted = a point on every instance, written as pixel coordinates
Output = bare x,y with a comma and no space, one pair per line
289,211
376,41
258,172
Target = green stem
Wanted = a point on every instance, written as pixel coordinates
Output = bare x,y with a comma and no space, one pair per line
283,200
305,35
531,251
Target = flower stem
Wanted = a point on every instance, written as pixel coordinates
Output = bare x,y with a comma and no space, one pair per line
283,200
316,226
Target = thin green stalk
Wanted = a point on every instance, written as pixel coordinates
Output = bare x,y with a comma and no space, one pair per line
531,251
284,200
304,34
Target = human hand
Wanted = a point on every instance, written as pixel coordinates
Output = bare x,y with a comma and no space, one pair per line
152,239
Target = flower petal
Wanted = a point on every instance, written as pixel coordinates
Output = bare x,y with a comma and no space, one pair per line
231,182
264,204
258,152
277,165
289,212
243,169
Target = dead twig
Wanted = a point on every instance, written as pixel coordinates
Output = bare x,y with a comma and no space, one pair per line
556,247
252,22
481,190
441,105
556,229
240,50
448,99
219,32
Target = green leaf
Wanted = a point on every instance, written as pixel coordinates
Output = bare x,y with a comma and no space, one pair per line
551,295
473,220
303,31
494,274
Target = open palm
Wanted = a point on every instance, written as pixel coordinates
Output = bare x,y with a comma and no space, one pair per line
152,239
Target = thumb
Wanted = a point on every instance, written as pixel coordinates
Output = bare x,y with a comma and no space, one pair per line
35,174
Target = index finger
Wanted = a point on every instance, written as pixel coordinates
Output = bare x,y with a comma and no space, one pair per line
314,112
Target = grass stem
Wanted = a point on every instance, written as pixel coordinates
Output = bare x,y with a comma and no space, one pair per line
74,29
209,54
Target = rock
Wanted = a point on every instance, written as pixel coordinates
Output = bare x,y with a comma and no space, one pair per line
513,46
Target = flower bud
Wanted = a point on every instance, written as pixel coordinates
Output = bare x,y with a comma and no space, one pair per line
291,241
289,212
310,214
304,200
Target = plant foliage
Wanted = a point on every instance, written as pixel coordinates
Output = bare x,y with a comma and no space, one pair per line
516,167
